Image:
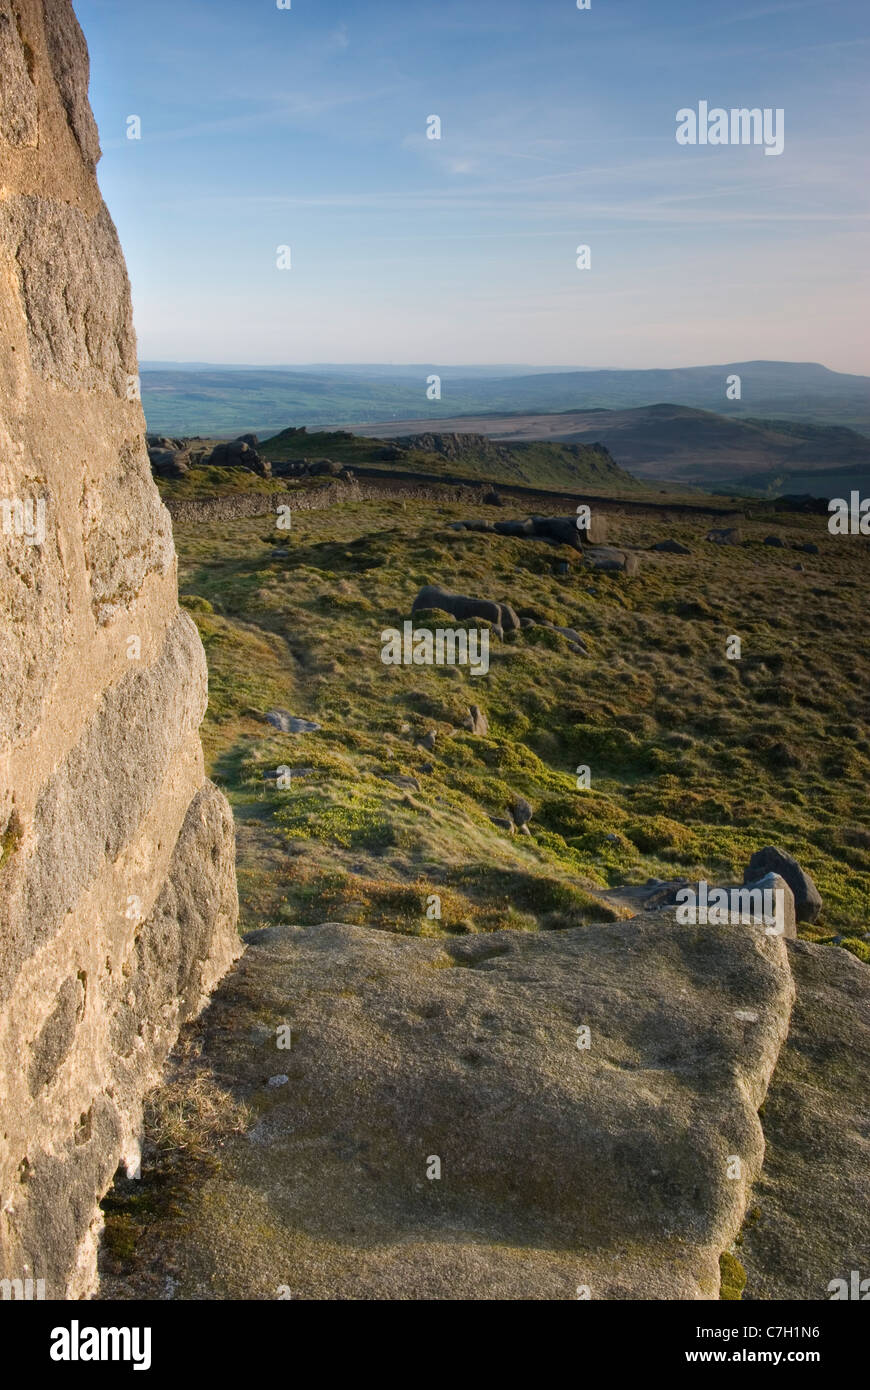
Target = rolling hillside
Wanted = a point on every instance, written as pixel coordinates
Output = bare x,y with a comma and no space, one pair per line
543,463
691,447
195,399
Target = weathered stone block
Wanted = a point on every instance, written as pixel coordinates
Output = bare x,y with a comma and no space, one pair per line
117,879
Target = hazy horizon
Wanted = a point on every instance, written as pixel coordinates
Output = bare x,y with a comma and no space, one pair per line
513,367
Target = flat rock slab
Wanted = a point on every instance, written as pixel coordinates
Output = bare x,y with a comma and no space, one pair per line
814,1191
622,1168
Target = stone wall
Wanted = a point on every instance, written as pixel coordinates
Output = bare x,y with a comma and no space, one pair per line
117,882
237,506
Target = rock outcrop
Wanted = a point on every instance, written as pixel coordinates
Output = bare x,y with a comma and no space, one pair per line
239,453
117,879
672,547
517,1115
809,1222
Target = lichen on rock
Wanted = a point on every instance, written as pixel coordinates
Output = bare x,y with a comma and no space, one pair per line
117,879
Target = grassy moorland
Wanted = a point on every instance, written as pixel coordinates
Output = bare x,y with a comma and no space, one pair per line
695,760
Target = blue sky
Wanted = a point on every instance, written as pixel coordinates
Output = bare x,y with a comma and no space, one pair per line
307,127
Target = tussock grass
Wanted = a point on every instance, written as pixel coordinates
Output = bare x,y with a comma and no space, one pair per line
696,760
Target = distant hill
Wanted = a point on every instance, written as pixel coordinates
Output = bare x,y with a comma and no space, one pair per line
692,447
544,463
192,399
802,391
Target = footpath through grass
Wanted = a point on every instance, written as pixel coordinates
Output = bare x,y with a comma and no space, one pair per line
695,760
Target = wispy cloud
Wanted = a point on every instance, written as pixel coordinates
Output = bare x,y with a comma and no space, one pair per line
309,126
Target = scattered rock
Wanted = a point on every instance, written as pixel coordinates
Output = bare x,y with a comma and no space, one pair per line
280,1080
560,529
606,559
775,540
563,530
522,811
571,636
289,723
462,608
504,823
574,640
672,547
807,899
428,741
646,897
402,780
727,535
658,894
809,548
783,900
476,722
